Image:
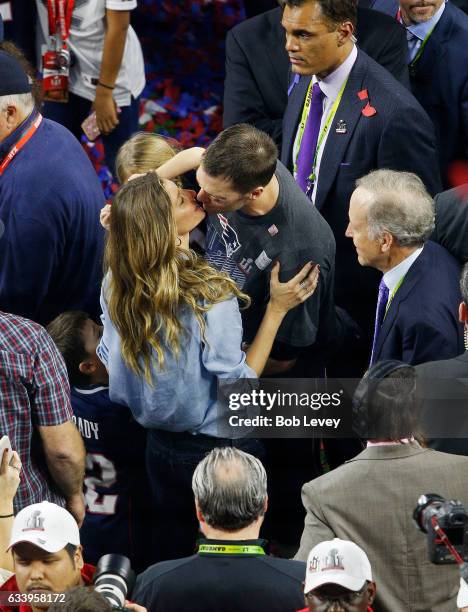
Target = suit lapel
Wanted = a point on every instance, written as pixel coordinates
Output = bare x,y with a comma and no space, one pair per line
348,111
292,117
411,280
435,50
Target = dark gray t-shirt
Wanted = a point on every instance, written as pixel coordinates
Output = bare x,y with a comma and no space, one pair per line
293,232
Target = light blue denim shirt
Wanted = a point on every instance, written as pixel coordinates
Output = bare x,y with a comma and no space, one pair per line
184,394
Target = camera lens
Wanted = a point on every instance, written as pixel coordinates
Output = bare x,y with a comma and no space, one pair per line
114,579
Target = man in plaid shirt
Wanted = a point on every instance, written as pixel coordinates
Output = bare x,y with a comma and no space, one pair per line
35,413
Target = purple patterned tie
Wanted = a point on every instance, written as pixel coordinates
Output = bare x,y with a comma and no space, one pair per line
379,315
305,158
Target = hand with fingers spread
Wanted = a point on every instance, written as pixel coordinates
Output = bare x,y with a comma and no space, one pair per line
284,296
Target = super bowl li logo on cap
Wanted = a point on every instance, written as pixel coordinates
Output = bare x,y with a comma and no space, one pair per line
332,561
35,522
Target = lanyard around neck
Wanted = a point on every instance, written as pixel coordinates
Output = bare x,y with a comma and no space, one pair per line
60,14
393,293
231,549
323,132
16,148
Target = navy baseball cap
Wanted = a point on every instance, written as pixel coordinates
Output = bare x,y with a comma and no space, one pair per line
13,79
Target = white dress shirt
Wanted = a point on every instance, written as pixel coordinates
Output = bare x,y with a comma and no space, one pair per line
393,276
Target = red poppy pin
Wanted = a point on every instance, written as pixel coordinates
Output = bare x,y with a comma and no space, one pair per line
368,110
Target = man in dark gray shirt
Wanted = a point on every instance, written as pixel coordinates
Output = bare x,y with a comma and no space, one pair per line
258,215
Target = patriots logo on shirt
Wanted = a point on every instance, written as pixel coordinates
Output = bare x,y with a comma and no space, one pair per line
229,236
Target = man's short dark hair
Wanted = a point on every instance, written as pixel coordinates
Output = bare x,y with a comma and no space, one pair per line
386,404
82,599
66,331
464,284
334,11
243,155
71,550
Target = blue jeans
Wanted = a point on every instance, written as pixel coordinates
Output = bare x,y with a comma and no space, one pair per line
171,459
74,112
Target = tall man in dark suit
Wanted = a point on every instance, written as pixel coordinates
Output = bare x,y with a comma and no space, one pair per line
366,120
438,64
451,223
444,394
370,499
391,217
257,65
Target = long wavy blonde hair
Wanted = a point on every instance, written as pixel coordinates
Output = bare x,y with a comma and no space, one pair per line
151,278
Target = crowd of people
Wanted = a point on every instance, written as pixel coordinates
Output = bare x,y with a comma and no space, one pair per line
322,235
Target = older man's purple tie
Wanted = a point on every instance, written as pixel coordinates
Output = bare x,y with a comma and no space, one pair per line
379,316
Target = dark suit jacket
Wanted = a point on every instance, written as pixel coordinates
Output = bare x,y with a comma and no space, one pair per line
399,136
422,320
444,392
451,222
389,7
440,83
257,65
370,501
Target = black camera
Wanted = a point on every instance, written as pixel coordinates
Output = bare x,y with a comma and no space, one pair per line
446,525
114,579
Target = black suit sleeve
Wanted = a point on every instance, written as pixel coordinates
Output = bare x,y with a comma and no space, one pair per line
384,40
408,143
451,222
392,55
243,101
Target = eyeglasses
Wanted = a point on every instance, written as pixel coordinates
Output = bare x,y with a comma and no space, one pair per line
351,598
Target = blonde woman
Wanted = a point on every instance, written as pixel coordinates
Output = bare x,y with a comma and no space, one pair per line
172,329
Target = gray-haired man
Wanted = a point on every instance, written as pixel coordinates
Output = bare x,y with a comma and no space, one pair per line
391,217
231,571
